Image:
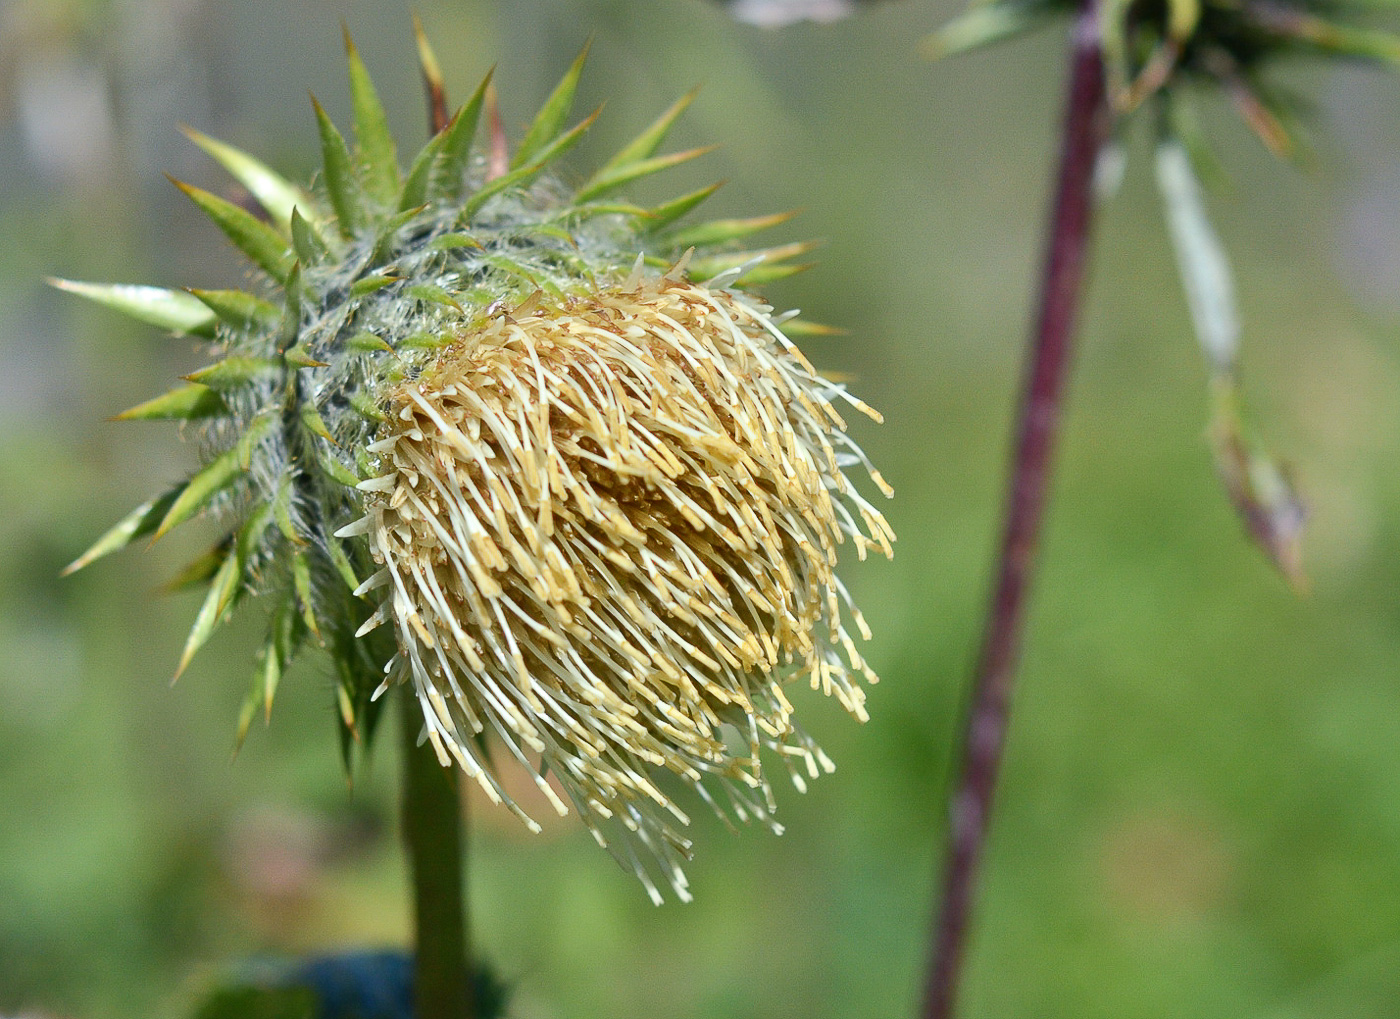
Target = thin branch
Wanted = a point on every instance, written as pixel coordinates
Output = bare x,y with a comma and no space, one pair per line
1085,126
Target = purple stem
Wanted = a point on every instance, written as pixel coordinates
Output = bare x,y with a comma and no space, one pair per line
984,737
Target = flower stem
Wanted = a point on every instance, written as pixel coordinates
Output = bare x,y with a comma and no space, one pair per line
984,734
434,835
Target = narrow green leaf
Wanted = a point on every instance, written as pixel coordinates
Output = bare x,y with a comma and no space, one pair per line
424,341
174,310
433,81
222,591
310,249
215,476
720,231
137,524
431,294
644,146
388,230
449,172
452,241
335,470
367,342
762,274
668,212
705,268
282,510
415,185
315,424
299,357
550,120
342,563
1200,257
262,244
239,309
983,25
803,327
199,570
233,372
338,171
376,143
301,579
248,710
517,177
227,586
274,193
289,330
608,180
365,406
183,404
369,284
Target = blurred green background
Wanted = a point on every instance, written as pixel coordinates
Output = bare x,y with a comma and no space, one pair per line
1200,813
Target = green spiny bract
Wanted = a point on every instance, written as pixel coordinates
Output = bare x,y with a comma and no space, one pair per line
380,286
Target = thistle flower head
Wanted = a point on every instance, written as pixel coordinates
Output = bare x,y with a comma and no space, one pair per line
487,435
1152,55
1153,49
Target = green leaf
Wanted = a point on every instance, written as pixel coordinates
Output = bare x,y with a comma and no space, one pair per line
366,407
720,231
376,143
233,372
227,585
432,76
449,172
282,510
137,524
415,185
452,241
174,310
289,330
644,146
367,342
550,120
983,25
222,591
262,244
315,424
199,570
310,249
283,640
183,404
369,284
301,580
342,563
336,471
1200,257
606,181
338,171
668,212
240,310
431,294
274,193
215,476
517,177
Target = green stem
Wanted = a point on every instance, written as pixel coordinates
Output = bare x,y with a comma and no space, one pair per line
434,835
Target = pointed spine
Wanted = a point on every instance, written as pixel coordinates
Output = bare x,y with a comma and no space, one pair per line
549,122
260,242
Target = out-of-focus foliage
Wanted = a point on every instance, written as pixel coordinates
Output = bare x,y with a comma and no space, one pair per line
1201,813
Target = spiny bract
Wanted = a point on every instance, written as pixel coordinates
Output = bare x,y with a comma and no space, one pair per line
598,503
